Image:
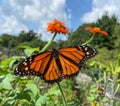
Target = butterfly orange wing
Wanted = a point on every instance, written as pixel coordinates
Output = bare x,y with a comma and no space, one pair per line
53,66
34,65
72,59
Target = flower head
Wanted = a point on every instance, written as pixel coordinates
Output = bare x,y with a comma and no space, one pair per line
96,30
57,26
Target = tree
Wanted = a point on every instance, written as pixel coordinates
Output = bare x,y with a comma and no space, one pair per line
6,39
106,23
27,36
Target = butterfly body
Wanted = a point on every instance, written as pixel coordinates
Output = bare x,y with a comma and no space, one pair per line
53,66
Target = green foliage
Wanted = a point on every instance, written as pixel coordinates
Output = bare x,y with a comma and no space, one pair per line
106,82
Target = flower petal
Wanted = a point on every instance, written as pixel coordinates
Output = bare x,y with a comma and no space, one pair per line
57,26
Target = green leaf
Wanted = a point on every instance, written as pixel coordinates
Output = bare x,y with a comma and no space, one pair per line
54,93
90,99
9,100
104,99
3,72
93,89
30,51
6,82
23,95
117,68
24,102
33,88
100,80
92,63
41,100
24,47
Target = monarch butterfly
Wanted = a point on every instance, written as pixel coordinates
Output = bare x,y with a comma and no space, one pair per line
55,65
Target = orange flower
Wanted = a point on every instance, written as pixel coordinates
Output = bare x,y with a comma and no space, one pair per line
104,33
89,28
96,30
57,26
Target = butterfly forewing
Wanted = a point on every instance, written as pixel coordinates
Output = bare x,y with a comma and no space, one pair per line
33,65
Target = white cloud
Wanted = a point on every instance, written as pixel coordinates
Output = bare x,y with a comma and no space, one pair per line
99,7
9,24
17,15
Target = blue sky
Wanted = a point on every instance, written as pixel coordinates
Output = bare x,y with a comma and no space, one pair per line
17,15
78,9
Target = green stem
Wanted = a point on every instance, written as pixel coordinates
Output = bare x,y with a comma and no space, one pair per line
117,88
89,40
49,43
65,103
